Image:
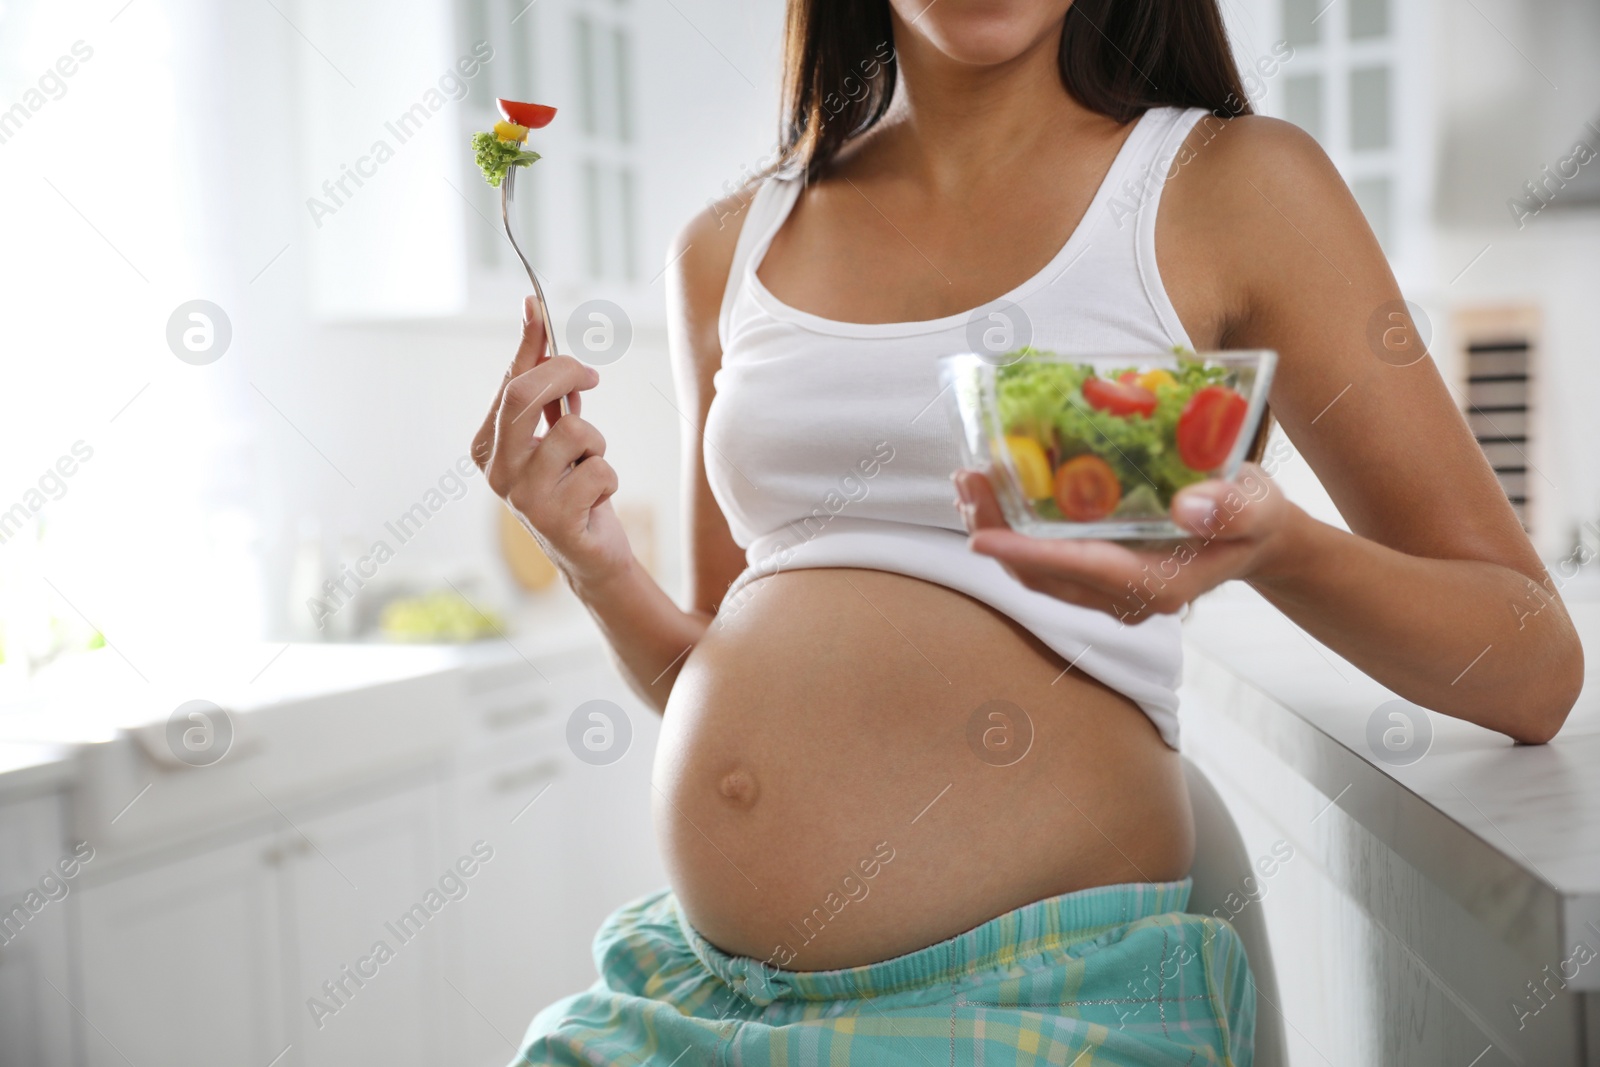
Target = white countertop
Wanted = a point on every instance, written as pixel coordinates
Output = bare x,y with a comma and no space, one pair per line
1511,831
96,697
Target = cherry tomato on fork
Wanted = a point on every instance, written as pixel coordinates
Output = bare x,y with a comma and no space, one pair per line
1087,489
1208,427
1119,397
533,116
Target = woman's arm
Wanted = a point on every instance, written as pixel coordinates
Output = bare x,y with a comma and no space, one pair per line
1436,591
560,485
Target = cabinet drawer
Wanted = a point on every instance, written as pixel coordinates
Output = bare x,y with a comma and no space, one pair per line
516,713
527,778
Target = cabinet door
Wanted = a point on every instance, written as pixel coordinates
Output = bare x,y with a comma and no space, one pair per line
518,947
36,1022
361,976
563,862
179,962
611,855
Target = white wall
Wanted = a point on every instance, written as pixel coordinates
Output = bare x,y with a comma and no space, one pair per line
1500,122
392,404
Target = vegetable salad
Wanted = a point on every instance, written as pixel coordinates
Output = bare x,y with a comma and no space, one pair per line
504,147
1089,446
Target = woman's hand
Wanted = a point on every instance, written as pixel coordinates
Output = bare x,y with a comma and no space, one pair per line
1241,530
560,484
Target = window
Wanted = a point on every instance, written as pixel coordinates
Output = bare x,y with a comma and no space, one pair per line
1376,197
1344,91
583,48
1368,18
1300,22
602,47
511,27
577,211
1303,102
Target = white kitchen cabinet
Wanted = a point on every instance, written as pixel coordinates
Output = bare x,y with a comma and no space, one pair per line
351,880
179,961
211,958
563,861
215,929
1440,903
518,947
36,1020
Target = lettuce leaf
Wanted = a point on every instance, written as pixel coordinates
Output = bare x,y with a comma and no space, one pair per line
495,156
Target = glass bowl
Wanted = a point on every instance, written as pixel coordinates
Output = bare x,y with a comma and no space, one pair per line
1095,446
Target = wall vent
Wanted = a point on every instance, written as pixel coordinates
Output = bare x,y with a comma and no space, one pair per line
1498,349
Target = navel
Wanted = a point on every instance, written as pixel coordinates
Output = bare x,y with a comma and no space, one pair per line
739,787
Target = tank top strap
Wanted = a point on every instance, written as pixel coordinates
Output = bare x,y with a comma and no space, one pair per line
1132,187
1152,157
764,213
1160,158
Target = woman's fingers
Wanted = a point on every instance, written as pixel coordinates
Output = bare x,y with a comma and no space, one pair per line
1242,509
570,441
1233,522
980,509
1100,564
531,351
590,484
534,346
1101,575
517,422
1131,605
1111,578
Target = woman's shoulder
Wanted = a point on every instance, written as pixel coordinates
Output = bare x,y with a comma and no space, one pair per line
699,262
1242,185
705,245
1253,149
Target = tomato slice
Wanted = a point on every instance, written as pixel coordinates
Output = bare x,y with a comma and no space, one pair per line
1119,398
1209,426
533,116
1087,489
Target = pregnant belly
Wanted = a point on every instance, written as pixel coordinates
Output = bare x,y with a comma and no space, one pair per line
854,765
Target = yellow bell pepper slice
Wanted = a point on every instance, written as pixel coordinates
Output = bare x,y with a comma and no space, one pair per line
510,131
1033,468
1152,378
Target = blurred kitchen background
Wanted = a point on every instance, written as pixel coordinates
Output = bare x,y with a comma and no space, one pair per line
254,301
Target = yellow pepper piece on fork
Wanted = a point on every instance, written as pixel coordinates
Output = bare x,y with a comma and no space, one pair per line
510,131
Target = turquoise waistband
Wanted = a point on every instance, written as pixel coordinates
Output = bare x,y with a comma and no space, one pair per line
1043,926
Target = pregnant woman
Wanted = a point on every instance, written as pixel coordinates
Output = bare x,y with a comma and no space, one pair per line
921,803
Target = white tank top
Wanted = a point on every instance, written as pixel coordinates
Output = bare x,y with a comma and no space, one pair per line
828,444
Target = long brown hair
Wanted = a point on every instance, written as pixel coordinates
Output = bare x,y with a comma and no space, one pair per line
1118,57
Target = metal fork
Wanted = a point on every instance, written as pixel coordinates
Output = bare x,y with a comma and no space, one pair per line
508,194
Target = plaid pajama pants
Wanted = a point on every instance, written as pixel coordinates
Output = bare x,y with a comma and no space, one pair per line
1116,974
